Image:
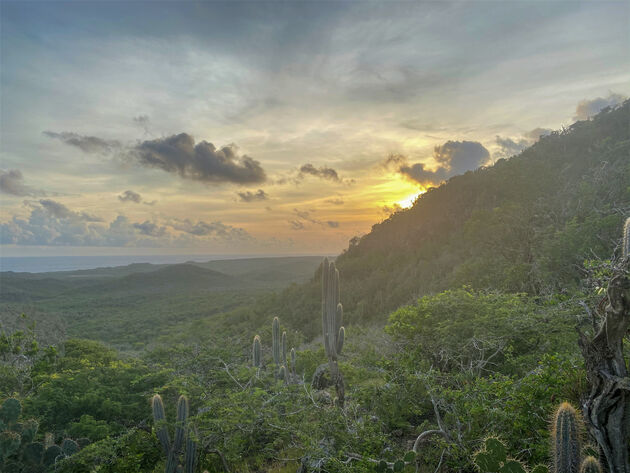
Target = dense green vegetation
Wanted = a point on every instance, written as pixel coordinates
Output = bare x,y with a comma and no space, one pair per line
133,306
459,313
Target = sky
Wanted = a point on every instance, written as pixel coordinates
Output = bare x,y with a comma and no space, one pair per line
275,127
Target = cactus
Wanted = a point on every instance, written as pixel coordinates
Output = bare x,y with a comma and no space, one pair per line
332,325
590,465
10,411
17,441
275,334
566,439
174,450
493,459
625,251
284,348
283,374
257,352
293,362
332,311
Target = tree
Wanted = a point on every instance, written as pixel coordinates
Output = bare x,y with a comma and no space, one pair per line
607,408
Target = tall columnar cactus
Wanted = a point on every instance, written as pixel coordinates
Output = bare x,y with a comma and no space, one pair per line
590,465
257,352
566,439
626,240
175,449
284,348
332,324
293,362
275,340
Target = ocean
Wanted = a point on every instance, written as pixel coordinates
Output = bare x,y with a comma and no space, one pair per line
45,264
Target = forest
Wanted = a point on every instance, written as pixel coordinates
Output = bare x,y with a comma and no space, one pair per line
482,329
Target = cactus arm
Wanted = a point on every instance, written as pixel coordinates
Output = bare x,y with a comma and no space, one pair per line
191,453
180,429
276,340
159,418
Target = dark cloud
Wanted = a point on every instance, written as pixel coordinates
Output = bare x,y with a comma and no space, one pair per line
510,147
417,172
452,158
460,156
249,196
150,229
321,172
177,154
87,144
130,196
588,108
12,182
332,224
180,155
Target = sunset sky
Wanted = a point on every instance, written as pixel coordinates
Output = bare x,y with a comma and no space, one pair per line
275,128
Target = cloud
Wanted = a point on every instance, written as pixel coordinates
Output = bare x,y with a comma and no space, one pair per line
178,154
386,209
588,108
130,196
335,201
322,172
150,229
453,157
296,225
87,144
144,122
12,182
510,147
62,212
215,229
53,224
304,216
460,156
249,196
536,133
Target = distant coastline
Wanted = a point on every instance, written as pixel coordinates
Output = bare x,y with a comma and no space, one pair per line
45,264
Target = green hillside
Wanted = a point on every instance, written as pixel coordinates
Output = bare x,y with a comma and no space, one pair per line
525,224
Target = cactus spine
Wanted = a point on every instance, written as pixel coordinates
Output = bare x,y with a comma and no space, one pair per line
590,465
332,324
566,439
257,352
174,450
275,340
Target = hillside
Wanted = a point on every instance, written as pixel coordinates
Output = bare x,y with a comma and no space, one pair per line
134,305
525,224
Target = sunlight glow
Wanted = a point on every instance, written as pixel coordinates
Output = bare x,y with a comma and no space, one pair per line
409,200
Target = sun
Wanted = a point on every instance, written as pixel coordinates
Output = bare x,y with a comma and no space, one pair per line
409,200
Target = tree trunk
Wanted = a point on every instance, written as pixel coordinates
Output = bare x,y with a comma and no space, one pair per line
607,408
